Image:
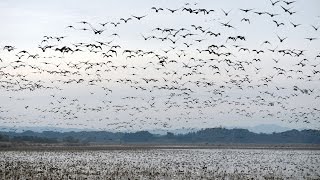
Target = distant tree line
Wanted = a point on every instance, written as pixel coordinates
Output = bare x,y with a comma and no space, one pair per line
210,135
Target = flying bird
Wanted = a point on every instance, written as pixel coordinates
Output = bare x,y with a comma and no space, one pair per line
139,17
226,13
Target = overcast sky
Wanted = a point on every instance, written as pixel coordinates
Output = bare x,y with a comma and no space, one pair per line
272,88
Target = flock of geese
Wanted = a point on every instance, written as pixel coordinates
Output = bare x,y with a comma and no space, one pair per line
198,75
161,164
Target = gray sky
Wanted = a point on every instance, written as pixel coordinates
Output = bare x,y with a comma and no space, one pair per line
273,87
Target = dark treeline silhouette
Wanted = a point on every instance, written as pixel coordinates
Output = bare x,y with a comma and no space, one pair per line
210,135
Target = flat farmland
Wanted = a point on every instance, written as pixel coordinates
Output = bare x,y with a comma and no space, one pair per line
161,164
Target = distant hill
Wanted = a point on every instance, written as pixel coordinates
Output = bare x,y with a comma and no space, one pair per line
261,128
210,135
267,128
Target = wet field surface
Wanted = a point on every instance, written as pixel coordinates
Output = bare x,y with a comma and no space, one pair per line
162,164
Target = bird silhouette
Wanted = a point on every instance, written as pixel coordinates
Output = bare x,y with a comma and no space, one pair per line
139,17
226,13
157,9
